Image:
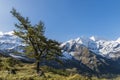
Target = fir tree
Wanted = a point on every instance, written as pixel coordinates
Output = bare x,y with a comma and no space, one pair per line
33,36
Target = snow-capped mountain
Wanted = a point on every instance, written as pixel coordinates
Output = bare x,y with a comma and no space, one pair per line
106,48
9,42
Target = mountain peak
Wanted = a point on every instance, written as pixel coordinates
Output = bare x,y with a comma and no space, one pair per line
1,33
118,40
7,33
78,39
93,38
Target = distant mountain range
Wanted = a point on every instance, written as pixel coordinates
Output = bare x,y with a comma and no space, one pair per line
105,48
91,55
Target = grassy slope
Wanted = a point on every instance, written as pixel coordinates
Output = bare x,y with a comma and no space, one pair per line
27,72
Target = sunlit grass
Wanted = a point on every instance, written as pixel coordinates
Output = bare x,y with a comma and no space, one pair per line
26,71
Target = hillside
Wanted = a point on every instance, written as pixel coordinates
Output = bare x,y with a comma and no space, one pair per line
26,71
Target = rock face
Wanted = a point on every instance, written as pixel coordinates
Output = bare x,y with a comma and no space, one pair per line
91,55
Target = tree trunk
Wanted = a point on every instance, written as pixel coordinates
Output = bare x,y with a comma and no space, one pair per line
39,71
38,65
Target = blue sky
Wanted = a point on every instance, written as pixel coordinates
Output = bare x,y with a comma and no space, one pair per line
66,19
